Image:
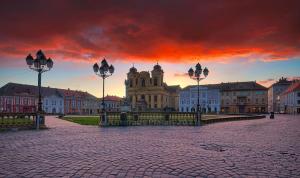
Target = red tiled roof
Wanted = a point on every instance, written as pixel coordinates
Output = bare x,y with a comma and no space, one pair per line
292,88
112,98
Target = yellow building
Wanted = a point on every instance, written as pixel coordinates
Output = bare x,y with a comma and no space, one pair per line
149,92
243,97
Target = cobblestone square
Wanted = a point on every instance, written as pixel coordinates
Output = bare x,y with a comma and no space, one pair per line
251,148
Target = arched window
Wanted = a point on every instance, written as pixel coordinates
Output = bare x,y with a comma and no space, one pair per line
143,83
155,81
130,83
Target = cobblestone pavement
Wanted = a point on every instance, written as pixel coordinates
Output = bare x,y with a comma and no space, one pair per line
252,148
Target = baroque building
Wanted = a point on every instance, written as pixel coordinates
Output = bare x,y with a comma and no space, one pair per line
149,92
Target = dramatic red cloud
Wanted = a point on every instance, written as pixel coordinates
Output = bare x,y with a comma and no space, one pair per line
86,30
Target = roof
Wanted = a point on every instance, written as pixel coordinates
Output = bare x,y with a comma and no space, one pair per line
233,86
292,88
172,88
209,86
13,89
111,98
282,81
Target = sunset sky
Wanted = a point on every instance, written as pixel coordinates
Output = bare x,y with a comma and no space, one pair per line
237,40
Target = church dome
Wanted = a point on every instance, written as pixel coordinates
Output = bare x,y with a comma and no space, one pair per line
132,70
157,67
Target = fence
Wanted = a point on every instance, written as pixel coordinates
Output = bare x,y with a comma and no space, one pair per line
169,118
17,120
151,118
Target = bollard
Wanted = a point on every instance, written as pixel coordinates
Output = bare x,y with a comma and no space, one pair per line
272,115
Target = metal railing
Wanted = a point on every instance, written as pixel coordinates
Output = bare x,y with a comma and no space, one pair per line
151,118
168,118
17,120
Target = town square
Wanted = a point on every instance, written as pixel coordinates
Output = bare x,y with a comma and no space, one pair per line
255,148
149,88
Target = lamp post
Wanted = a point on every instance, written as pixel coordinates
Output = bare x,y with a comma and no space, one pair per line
40,64
196,75
103,71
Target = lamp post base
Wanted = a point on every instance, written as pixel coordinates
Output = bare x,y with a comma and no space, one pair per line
198,118
103,120
37,122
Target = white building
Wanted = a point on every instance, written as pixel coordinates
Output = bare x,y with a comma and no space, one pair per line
274,92
112,103
290,99
209,99
53,101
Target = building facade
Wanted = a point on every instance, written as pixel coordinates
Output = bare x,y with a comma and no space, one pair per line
24,98
52,101
89,104
14,98
209,98
112,103
274,93
290,99
243,97
149,92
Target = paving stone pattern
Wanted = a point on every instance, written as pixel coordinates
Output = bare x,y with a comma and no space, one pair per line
251,148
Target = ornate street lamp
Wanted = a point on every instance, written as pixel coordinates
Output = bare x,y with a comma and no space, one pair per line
103,71
196,75
40,64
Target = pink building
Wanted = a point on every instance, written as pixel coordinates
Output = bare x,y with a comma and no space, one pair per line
13,98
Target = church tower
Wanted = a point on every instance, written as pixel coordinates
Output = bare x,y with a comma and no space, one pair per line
157,76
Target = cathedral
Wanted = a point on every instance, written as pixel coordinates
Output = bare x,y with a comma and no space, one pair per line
148,92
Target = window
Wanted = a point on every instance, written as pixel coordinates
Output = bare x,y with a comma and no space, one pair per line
136,82
25,101
143,97
298,101
17,100
130,83
259,92
155,98
155,81
298,94
143,83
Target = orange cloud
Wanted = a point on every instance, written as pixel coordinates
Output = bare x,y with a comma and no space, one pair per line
141,30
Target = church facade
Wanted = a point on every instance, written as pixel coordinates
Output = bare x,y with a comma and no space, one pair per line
149,92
